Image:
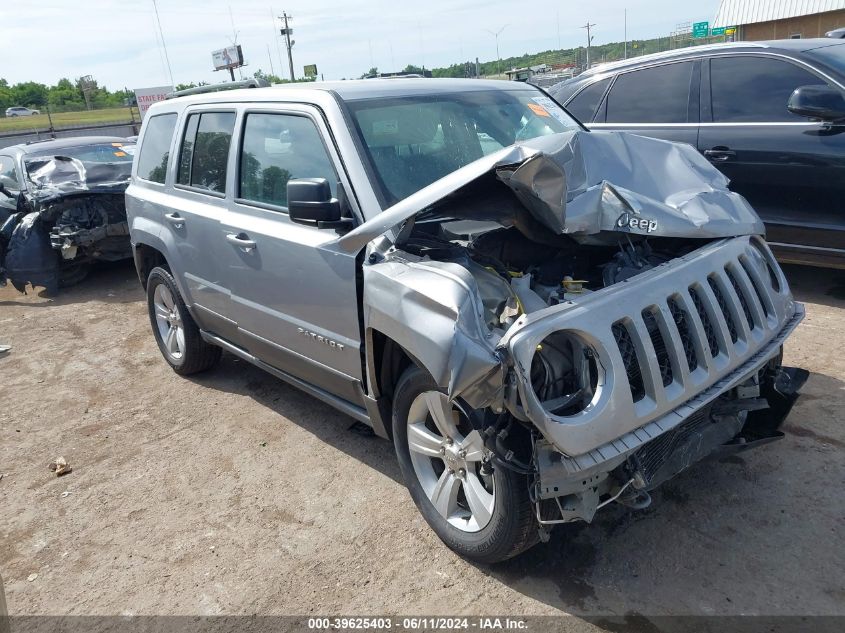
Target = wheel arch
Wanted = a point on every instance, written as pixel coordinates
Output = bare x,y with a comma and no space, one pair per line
387,360
146,258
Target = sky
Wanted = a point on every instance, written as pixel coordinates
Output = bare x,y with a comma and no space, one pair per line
118,41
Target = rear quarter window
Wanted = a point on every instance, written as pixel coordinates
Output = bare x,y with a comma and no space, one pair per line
155,148
584,105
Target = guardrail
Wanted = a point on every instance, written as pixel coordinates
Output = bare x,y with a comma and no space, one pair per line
128,128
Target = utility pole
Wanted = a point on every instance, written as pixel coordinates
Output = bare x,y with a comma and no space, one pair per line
626,33
588,26
498,57
286,32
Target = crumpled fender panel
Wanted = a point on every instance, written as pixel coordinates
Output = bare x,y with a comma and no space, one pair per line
29,257
433,310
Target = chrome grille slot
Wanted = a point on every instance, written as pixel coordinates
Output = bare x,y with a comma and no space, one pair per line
661,352
709,330
743,300
724,307
686,330
754,280
630,359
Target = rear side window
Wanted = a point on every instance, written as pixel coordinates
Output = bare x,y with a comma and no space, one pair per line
584,105
277,148
755,89
205,150
155,151
651,95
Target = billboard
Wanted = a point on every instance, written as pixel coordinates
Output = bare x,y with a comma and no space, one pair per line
229,57
145,97
311,70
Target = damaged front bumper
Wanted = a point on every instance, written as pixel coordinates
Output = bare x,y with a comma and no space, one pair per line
670,346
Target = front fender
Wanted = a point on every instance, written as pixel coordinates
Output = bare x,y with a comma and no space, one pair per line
433,311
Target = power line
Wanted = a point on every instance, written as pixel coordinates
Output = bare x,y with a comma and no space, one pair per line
163,44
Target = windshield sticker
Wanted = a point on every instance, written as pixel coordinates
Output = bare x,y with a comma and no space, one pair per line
551,108
538,109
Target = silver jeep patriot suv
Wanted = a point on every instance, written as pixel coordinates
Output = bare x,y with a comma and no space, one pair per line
543,319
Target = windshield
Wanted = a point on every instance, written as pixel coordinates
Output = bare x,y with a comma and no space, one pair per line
412,141
98,153
833,56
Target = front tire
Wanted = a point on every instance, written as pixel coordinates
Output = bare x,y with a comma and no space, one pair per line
484,518
174,328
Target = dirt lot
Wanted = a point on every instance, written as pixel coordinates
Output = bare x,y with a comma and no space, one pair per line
234,493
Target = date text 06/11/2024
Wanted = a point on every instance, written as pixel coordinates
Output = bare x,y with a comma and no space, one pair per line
416,623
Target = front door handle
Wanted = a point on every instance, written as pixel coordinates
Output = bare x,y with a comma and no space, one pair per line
719,154
241,240
175,219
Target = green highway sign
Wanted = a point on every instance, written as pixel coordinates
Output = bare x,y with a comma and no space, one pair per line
701,29
719,30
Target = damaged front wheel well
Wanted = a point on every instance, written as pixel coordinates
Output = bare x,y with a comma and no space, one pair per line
389,362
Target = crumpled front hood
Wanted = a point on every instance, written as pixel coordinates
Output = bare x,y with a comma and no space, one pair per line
54,177
585,184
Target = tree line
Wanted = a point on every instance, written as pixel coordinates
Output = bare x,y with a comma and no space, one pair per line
64,96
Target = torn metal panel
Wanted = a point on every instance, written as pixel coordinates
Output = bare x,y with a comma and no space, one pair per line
584,184
27,255
434,311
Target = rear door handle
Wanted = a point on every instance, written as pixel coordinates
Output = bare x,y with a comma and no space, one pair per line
241,240
175,219
719,154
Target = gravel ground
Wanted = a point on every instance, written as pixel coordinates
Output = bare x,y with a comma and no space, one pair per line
232,493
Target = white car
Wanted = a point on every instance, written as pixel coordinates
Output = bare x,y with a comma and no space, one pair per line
21,111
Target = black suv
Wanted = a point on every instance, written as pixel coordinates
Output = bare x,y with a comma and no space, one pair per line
769,115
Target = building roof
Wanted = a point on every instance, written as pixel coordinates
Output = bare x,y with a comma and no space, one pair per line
736,12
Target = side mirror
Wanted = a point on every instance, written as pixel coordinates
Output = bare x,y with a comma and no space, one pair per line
310,202
817,102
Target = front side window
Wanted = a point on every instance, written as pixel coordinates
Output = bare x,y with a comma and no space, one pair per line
155,151
277,148
412,141
755,89
9,174
584,105
204,156
651,95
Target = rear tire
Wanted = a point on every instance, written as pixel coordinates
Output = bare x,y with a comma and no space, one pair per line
482,520
174,328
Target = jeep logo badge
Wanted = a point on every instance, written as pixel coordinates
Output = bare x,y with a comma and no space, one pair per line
632,221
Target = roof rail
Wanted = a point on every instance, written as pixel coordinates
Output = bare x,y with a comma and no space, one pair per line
230,85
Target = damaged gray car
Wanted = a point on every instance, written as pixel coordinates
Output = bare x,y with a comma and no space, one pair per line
62,209
544,320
